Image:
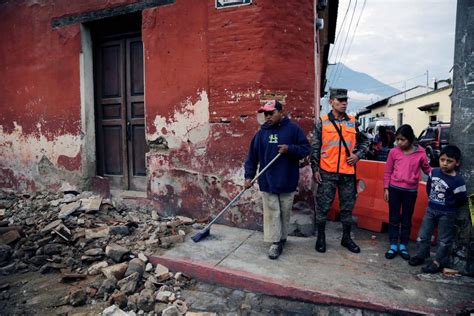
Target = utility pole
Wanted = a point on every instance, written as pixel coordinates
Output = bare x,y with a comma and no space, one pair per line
462,129
427,82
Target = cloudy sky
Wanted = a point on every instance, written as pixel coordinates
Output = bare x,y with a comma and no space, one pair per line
397,41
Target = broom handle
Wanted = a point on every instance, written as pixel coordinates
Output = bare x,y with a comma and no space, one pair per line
242,192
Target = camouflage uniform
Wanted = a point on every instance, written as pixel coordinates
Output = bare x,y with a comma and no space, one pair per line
345,182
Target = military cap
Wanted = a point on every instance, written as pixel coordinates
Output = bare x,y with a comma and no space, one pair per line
337,93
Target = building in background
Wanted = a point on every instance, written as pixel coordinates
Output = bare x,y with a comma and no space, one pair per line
154,96
417,106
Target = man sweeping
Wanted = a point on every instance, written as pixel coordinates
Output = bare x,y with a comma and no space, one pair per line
278,184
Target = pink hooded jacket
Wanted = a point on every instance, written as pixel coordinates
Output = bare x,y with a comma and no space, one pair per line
403,170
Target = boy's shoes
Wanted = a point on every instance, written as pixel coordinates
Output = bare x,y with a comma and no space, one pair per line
275,250
390,254
416,261
432,267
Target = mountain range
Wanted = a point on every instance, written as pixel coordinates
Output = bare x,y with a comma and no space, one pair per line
363,89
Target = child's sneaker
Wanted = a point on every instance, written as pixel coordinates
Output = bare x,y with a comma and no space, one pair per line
416,261
432,267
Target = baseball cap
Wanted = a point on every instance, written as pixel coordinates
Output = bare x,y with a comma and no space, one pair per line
270,106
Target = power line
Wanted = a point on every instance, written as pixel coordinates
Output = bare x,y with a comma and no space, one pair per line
344,44
352,39
342,25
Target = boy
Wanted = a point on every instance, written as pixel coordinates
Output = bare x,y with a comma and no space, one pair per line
446,193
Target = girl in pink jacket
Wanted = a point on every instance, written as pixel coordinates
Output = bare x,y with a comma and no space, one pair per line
401,177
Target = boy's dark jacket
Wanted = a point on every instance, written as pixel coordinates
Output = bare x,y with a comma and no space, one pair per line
283,175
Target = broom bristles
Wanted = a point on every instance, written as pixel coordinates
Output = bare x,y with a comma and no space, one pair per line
201,235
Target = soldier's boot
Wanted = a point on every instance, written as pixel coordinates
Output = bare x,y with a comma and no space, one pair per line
347,241
321,241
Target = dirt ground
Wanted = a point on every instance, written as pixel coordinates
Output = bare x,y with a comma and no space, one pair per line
33,293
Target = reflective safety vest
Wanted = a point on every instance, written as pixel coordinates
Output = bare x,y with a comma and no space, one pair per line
333,153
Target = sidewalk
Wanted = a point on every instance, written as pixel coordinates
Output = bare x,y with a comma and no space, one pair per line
237,258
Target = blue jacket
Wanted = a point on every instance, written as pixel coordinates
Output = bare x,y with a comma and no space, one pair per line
283,175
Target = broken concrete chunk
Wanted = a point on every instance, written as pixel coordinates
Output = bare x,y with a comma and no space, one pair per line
99,232
116,252
68,209
163,296
135,265
51,226
117,270
97,267
186,220
9,237
161,272
113,310
143,257
129,284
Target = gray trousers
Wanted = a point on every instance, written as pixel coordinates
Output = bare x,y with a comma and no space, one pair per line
276,215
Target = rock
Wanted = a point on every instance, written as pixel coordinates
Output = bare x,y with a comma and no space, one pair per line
5,253
181,305
167,241
170,311
119,299
99,232
70,277
129,284
94,252
160,307
97,267
163,296
148,267
78,298
113,311
135,265
119,230
146,301
116,252
161,272
68,209
143,257
132,303
107,287
9,237
117,270
186,220
52,249
8,269
91,204
39,260
51,226
51,267
63,232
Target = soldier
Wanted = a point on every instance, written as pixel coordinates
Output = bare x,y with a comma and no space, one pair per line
337,147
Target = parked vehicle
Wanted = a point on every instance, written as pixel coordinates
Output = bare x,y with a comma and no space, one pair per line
433,139
373,126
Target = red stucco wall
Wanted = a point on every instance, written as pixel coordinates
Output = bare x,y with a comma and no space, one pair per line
206,71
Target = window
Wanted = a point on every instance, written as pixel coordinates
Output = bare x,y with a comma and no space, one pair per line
400,118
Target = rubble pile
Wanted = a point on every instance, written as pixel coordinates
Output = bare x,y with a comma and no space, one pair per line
81,235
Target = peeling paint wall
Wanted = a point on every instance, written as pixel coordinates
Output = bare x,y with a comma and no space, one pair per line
206,72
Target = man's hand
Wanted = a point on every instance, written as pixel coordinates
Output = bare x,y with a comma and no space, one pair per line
247,183
352,159
282,149
385,195
317,177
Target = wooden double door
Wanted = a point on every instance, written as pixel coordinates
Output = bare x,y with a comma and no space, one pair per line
120,112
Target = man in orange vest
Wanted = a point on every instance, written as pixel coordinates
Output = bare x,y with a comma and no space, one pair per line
336,148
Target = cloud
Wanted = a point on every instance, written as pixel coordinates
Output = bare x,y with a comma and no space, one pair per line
360,96
400,39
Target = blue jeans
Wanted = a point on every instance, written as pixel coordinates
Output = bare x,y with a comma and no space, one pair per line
446,227
401,204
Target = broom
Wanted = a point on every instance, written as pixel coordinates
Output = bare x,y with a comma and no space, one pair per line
206,231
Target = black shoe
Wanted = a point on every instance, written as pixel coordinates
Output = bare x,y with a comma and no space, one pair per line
283,241
416,261
347,241
275,250
404,254
390,254
432,267
321,241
